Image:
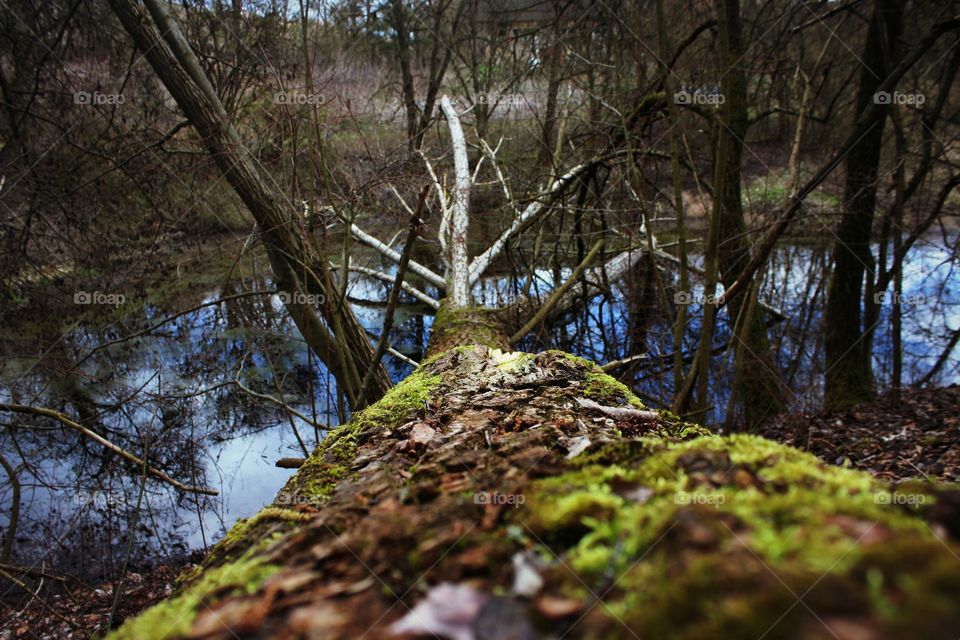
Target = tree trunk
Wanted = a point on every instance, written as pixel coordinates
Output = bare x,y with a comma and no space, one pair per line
756,383
299,269
848,377
397,16
511,495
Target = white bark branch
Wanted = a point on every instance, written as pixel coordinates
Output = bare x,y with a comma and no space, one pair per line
460,210
442,199
403,202
385,250
530,214
407,287
492,154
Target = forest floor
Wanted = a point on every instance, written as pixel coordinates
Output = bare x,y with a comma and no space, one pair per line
914,437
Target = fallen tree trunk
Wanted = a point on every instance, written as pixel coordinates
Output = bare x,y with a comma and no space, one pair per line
496,495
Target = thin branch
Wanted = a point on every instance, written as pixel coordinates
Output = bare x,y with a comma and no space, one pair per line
407,287
126,455
530,214
415,225
384,250
557,295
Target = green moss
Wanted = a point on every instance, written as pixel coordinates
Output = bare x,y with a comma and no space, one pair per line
174,616
713,496
601,386
459,326
242,533
330,463
604,387
405,398
583,362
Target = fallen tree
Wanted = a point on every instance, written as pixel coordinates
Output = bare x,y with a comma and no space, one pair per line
493,493
496,494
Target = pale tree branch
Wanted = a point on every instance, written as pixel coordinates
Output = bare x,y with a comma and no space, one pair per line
385,250
492,155
428,300
442,199
533,212
460,209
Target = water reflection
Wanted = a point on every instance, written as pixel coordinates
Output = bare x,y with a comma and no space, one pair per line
171,396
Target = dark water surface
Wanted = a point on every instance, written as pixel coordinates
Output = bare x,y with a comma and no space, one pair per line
170,396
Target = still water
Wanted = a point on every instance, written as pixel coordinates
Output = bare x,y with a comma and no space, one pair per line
171,396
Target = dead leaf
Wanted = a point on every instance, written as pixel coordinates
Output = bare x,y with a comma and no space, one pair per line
448,611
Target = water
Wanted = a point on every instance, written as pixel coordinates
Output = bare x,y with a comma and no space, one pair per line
170,396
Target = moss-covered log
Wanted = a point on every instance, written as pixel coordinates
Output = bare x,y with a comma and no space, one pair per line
553,503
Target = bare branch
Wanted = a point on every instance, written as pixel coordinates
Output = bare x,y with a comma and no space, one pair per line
530,214
383,249
126,455
426,299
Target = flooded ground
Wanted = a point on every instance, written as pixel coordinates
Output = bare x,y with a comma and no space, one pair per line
188,395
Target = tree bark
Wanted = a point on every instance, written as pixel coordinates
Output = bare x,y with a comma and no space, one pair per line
757,382
848,378
335,335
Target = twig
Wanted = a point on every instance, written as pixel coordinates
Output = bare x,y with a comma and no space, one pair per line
382,343
126,455
616,364
426,299
557,295
399,356
154,327
280,403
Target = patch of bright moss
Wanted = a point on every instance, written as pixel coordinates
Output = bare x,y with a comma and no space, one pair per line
600,386
246,531
330,462
174,616
776,506
603,387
